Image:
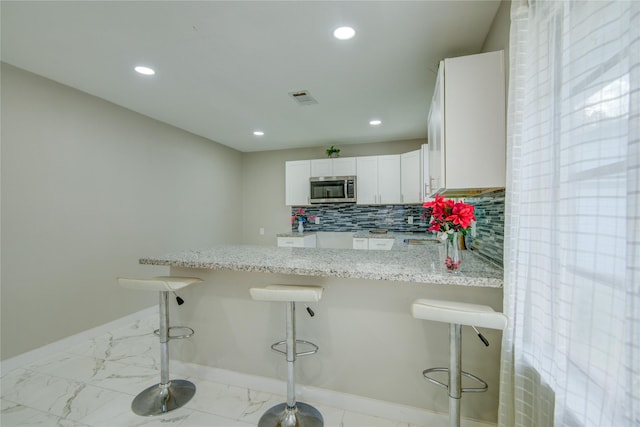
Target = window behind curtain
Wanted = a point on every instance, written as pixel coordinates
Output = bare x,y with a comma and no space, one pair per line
574,291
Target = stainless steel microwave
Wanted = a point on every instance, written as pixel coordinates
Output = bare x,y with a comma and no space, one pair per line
332,189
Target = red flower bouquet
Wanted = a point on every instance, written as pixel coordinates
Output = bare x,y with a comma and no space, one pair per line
448,216
447,219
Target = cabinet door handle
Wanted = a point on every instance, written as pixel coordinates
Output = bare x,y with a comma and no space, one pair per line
431,179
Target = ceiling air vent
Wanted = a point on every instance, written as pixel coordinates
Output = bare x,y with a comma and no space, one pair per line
303,97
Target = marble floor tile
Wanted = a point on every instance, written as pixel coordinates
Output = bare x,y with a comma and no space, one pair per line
204,419
353,419
16,415
92,384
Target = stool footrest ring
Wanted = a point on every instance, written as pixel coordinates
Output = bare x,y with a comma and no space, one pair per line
301,353
188,334
480,389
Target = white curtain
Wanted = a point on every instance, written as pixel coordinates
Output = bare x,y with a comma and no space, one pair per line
571,353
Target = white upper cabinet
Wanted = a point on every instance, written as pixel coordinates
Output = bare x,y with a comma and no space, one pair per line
297,174
388,179
378,180
341,166
367,180
424,173
321,167
410,177
344,166
466,126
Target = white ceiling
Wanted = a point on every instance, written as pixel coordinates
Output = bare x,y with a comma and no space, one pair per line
225,68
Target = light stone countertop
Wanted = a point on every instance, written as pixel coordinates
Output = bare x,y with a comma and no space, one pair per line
415,264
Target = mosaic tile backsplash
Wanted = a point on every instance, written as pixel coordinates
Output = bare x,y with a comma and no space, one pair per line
349,217
352,217
489,211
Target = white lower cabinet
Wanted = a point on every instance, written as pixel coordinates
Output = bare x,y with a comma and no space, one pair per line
297,242
360,243
381,244
373,244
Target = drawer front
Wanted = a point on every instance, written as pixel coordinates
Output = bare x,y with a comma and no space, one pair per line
291,242
360,243
380,244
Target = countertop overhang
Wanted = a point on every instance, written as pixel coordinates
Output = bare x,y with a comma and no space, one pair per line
418,264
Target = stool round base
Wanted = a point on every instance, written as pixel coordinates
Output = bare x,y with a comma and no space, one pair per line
301,415
161,398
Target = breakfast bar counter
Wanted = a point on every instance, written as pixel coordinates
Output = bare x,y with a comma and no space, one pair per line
415,264
370,345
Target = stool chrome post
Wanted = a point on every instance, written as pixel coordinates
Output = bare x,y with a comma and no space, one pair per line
163,332
291,413
291,354
168,394
455,373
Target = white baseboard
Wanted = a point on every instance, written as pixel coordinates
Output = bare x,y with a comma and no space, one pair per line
345,401
57,346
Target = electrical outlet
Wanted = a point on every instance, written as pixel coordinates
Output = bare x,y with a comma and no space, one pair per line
261,231
317,220
410,219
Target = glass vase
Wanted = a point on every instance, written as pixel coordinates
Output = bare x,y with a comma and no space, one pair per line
453,253
300,227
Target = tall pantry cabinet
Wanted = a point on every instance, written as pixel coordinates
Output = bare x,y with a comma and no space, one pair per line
467,126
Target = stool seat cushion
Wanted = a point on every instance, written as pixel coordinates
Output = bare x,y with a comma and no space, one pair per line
295,293
458,313
160,283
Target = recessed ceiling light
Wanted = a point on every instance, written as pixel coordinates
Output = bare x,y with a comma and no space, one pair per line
375,122
145,70
258,133
344,33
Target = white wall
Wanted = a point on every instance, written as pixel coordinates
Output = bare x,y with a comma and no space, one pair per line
498,37
263,187
88,188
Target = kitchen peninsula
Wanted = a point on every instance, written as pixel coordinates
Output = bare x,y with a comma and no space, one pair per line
419,264
370,345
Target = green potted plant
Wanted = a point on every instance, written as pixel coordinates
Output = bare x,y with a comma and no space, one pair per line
333,152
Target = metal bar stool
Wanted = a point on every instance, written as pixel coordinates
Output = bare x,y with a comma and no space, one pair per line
168,394
457,314
291,413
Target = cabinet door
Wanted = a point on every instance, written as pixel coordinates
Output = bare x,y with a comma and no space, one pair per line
321,167
474,121
435,135
297,175
344,166
410,176
367,180
389,179
425,192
